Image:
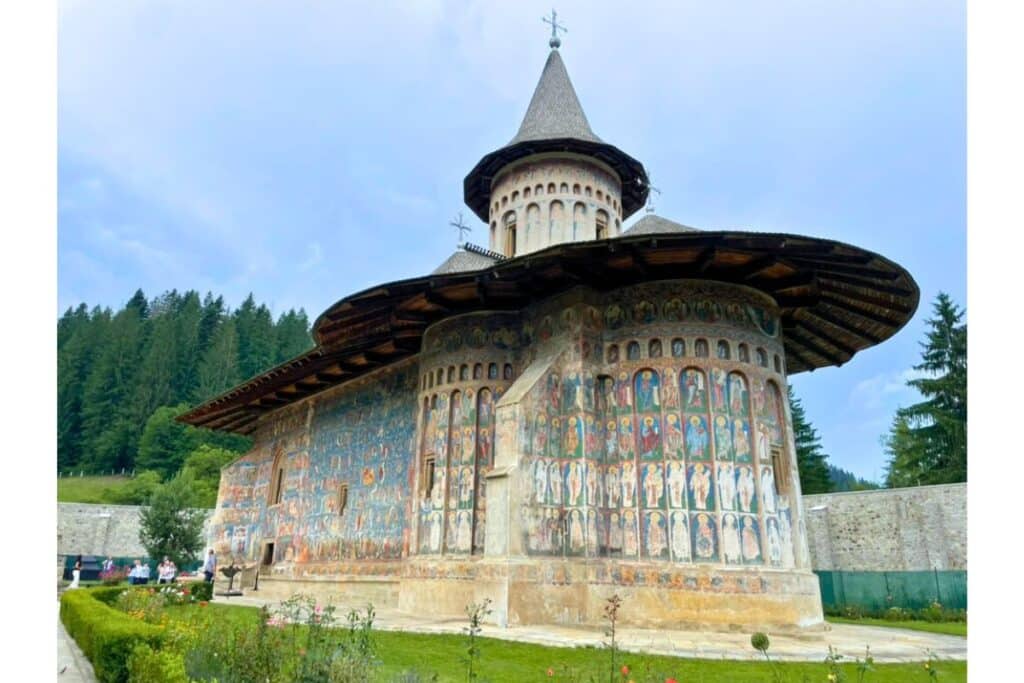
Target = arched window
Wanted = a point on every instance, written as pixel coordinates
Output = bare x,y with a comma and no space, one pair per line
678,348
601,221
463,373
576,188
778,364
633,351
564,188
495,204
600,196
654,349
538,190
492,371
277,478
762,357
508,371
587,191
515,195
723,349
532,224
478,371
551,188
504,200
526,193
617,226
510,234
744,352
700,349
451,374
613,353
579,220
440,376
494,234
556,220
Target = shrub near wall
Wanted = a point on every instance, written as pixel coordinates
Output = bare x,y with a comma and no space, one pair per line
107,636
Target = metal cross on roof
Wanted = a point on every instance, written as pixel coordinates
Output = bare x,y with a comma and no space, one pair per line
649,208
459,225
555,41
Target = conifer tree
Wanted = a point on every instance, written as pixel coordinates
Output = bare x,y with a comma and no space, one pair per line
79,338
218,368
256,343
927,443
292,335
810,459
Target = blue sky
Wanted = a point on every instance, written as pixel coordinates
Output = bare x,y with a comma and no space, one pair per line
303,151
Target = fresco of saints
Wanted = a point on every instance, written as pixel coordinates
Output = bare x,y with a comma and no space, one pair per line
694,392
576,531
614,533
673,436
570,392
629,533
751,540
676,485
768,490
763,440
657,544
435,532
628,484
573,438
704,541
466,485
592,532
611,444
726,480
647,398
680,537
737,394
555,482
723,439
484,447
674,310
700,487
741,440
786,538
626,438
654,485
670,389
468,445
479,530
650,438
613,353
437,493
611,487
464,532
554,438
573,483
718,389
757,395
745,489
623,400
774,543
730,539
593,489
591,437
697,438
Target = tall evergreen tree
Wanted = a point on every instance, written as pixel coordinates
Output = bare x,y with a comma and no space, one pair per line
810,459
928,440
79,337
218,368
256,343
292,335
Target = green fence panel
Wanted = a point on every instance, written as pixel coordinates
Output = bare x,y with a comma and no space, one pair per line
878,591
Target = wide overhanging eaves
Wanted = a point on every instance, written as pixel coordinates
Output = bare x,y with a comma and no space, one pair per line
835,300
477,185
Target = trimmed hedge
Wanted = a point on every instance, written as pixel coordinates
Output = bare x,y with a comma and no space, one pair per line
107,636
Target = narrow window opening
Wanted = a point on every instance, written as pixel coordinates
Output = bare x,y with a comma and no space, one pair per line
429,465
342,499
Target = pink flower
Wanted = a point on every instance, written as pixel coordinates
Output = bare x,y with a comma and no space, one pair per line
671,680
625,670
551,672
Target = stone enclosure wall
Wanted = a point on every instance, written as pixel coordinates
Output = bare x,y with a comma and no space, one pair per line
912,529
102,530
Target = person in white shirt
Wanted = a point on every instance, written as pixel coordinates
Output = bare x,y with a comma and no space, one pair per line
143,573
210,566
166,571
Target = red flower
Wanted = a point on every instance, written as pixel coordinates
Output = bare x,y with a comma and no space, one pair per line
184,591
671,680
625,670
551,672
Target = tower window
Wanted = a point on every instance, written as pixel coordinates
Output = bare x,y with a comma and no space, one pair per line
602,224
510,234
762,358
342,499
429,466
779,472
744,353
700,349
723,349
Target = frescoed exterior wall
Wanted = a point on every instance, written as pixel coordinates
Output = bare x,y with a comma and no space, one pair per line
650,445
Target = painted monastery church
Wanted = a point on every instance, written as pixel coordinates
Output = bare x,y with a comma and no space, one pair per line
579,409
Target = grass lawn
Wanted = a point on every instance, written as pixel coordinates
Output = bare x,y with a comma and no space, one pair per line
504,661
953,628
87,489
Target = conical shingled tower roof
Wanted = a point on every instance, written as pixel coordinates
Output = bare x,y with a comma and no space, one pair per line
555,122
555,110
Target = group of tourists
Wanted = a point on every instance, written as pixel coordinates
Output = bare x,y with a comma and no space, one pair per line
139,574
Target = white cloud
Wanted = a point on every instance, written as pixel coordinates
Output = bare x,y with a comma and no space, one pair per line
884,389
